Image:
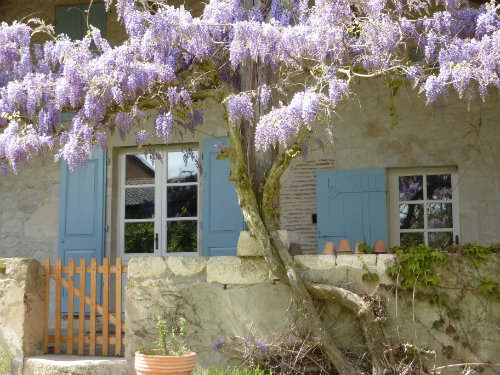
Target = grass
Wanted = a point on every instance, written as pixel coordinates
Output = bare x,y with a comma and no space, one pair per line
233,371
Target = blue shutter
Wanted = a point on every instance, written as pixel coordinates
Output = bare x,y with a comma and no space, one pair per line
351,204
81,216
82,201
222,217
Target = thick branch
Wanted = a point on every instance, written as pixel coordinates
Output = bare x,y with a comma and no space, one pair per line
374,335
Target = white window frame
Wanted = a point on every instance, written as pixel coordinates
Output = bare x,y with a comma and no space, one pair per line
160,218
394,202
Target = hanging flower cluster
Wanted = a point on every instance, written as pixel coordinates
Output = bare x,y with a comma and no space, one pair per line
64,95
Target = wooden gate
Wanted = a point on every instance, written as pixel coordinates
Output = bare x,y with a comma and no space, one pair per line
85,337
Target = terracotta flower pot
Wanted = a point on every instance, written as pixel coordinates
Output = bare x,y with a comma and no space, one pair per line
146,364
379,247
329,249
344,247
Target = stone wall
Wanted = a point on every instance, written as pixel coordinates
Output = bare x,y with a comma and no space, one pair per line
29,211
22,312
224,297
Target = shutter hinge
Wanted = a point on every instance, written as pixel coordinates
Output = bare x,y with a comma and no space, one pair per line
108,162
106,228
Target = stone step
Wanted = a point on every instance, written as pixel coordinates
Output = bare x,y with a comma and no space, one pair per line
74,365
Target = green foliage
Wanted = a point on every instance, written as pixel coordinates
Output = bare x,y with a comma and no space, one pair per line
415,264
182,236
370,277
139,237
488,287
170,339
477,253
364,248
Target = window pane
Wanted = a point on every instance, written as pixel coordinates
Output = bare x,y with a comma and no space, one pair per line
139,169
179,170
411,188
439,215
182,236
411,216
440,239
139,237
182,201
139,203
411,239
439,186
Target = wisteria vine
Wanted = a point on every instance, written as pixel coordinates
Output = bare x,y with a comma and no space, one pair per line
63,95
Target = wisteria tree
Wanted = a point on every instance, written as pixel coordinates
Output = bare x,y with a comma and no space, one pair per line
278,67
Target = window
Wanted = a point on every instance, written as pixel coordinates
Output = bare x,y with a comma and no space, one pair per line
423,206
159,203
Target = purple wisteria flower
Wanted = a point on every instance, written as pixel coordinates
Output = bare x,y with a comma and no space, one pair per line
218,344
263,347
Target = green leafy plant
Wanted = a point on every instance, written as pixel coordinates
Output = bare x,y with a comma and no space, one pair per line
415,264
488,287
170,339
364,248
477,252
370,277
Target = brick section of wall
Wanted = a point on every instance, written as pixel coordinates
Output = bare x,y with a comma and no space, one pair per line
298,201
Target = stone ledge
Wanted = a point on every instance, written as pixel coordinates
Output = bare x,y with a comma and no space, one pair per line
73,364
248,247
186,266
316,262
357,261
146,267
235,270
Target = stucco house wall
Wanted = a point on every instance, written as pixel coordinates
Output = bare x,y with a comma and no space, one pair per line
468,139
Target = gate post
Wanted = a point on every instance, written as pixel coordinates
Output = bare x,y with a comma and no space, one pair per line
22,312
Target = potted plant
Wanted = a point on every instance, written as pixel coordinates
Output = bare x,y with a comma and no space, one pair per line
170,357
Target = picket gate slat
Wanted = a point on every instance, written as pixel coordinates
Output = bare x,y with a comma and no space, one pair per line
87,341
71,294
105,306
57,347
118,286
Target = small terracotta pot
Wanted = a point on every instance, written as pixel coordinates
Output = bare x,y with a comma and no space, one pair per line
146,364
329,249
379,247
344,247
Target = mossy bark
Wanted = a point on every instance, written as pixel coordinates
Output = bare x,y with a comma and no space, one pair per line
263,225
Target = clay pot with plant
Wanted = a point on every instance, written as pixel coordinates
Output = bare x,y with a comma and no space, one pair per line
170,357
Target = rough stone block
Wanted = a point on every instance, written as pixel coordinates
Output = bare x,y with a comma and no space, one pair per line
248,247
316,262
384,261
146,267
357,261
234,270
186,266
77,365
